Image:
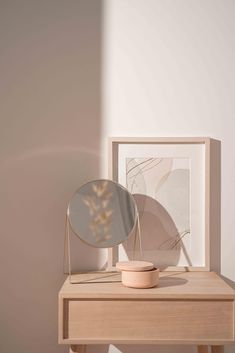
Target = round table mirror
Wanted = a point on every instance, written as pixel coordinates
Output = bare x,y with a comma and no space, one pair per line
102,213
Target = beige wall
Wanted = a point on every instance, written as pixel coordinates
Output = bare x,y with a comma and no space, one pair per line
169,71
50,77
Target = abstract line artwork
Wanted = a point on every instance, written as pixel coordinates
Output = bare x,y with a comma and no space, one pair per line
161,187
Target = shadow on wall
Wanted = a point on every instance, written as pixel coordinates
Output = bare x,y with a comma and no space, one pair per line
158,233
50,108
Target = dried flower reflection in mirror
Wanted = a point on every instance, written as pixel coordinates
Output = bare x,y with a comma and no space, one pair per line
100,211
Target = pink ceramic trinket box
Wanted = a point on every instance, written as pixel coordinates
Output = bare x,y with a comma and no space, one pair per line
138,274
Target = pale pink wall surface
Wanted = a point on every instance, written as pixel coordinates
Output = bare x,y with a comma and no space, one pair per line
50,65
168,70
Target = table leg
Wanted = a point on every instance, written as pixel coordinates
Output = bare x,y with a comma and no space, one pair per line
77,348
217,349
202,349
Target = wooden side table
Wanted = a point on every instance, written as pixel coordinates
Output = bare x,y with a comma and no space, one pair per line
186,308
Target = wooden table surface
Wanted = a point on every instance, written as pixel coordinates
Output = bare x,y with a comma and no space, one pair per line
185,308
185,285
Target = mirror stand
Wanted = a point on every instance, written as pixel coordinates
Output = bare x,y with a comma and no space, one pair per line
102,214
110,268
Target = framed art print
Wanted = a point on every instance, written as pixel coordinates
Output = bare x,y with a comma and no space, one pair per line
170,181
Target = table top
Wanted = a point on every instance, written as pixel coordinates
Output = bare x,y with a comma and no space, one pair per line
172,285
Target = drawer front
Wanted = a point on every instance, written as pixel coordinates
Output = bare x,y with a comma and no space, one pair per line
136,320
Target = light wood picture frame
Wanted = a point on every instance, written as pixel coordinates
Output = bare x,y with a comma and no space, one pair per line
170,178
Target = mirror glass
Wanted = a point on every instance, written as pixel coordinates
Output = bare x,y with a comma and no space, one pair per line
102,213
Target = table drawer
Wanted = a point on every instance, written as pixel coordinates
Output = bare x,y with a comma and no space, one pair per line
140,320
